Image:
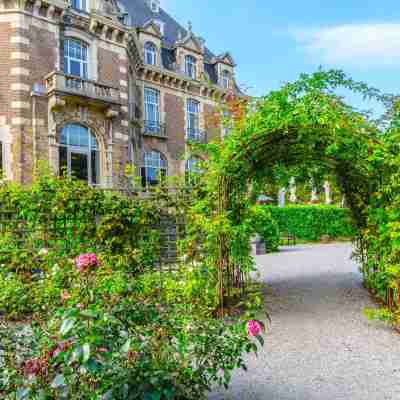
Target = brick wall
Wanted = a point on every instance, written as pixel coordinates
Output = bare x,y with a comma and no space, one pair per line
211,123
174,108
108,67
5,80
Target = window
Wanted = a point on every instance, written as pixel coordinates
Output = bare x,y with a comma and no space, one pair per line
150,53
226,79
152,110
160,25
76,58
193,110
79,155
227,123
81,5
155,6
192,168
154,168
190,67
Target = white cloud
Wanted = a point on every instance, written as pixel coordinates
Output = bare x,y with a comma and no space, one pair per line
363,45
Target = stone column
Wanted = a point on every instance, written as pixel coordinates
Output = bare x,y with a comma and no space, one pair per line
292,190
327,188
282,197
314,196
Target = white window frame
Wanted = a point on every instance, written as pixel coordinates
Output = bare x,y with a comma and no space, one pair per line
193,119
226,79
83,149
152,117
191,66
150,53
154,160
73,45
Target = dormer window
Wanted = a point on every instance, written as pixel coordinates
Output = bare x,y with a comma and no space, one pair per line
226,79
80,5
150,53
160,25
191,67
154,5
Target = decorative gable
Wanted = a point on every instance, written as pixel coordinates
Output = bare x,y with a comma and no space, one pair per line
109,8
190,41
152,28
224,58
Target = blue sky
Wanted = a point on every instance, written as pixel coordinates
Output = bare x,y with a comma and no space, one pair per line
274,41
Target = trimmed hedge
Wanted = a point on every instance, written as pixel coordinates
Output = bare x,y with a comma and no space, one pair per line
313,222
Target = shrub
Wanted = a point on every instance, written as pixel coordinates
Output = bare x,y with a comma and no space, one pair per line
312,222
266,226
114,338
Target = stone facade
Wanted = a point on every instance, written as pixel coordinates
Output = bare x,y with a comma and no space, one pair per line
41,93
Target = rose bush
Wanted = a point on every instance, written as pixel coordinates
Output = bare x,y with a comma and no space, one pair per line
114,338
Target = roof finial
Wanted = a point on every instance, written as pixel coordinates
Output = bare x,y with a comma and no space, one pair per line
190,26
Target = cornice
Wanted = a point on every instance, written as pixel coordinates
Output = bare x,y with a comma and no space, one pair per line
174,80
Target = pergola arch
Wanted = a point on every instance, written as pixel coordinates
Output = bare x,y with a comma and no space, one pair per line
302,125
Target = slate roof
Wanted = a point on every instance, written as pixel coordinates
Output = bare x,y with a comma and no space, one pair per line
140,13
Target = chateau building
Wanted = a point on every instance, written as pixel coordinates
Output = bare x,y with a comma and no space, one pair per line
91,86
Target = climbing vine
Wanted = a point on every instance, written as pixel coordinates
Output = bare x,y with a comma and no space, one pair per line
304,128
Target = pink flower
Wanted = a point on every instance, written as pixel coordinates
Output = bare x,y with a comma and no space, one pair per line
254,328
36,366
65,295
85,262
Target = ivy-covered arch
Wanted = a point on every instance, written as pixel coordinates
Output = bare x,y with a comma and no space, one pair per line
304,126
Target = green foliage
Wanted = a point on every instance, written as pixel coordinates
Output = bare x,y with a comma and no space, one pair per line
313,222
115,337
266,226
119,329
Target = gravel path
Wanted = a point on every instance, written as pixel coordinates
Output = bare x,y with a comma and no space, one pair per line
320,346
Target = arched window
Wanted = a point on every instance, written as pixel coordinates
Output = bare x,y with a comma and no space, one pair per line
79,153
76,58
154,168
226,79
191,67
150,53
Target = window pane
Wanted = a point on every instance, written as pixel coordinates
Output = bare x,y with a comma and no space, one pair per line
75,68
79,166
95,165
63,162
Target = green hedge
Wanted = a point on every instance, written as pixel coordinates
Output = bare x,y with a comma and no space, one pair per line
312,222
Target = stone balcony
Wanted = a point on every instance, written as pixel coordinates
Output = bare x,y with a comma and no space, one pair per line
61,84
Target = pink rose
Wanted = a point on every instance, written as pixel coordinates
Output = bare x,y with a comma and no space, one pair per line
85,262
254,328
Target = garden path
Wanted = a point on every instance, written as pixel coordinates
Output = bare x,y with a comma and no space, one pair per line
319,346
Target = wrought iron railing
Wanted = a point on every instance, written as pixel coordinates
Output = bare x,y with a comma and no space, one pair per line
196,135
154,128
